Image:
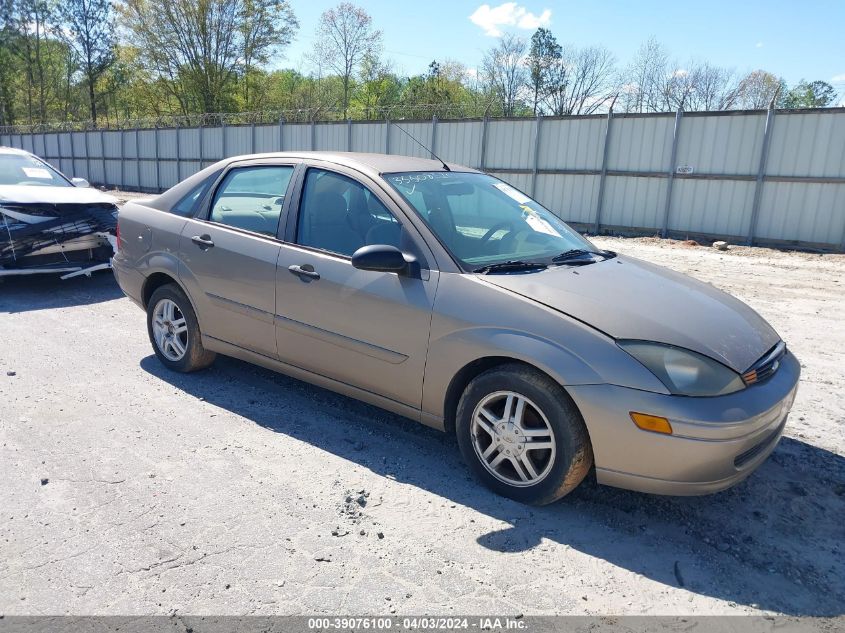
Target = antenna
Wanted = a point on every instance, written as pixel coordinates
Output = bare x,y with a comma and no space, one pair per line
410,136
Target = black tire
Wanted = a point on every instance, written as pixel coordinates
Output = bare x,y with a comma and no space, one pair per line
573,455
196,357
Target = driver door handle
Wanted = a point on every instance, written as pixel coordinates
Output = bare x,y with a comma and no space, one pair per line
306,270
203,241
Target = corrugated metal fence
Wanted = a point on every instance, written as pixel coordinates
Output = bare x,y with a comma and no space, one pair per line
748,176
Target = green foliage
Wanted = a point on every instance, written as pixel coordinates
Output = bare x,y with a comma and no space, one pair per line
813,94
67,60
543,57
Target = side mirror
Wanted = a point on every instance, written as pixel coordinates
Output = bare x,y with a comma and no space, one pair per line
382,258
80,182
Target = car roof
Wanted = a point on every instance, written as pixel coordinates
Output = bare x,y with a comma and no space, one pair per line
377,163
373,165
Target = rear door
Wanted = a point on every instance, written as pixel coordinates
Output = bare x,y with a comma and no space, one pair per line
230,252
363,328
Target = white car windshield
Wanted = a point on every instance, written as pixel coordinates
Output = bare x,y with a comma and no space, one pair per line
484,221
20,169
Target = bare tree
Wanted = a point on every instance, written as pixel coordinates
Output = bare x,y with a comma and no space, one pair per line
90,31
582,80
643,79
504,71
653,83
758,88
345,37
715,88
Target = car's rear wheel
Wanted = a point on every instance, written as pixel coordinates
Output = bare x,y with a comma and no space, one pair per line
522,435
174,331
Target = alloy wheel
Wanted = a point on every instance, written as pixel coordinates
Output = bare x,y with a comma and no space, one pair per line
513,438
170,330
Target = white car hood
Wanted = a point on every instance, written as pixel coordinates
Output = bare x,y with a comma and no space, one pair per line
23,194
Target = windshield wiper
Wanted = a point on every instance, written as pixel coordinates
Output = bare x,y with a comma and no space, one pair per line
576,253
510,266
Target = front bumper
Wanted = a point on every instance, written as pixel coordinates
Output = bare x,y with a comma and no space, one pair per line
716,442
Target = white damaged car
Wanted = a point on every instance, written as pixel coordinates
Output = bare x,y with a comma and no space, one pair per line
50,223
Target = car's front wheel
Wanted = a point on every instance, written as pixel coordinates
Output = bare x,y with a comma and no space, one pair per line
522,435
174,331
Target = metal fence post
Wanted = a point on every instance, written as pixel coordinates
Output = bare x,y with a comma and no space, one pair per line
603,177
178,155
87,157
202,144
138,157
281,134
761,172
72,154
483,158
536,167
671,176
123,159
433,145
103,154
252,141
387,136
223,138
158,162
348,135
842,244
59,145
313,135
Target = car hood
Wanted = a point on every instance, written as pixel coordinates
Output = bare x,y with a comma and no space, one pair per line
23,194
630,299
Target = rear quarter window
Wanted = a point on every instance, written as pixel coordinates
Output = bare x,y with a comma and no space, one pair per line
188,204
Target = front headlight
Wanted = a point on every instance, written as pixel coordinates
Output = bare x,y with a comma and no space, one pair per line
684,372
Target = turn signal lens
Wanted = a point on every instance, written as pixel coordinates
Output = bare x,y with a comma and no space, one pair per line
652,423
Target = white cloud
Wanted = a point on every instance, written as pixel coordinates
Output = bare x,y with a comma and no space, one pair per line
759,45
838,78
491,19
531,21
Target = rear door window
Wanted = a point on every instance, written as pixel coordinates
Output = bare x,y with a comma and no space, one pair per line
251,198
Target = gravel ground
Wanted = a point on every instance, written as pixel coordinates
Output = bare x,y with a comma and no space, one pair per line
131,490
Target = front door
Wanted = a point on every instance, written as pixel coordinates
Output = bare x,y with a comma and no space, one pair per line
363,328
230,257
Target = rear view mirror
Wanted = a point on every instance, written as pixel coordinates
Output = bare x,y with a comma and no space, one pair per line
80,182
381,258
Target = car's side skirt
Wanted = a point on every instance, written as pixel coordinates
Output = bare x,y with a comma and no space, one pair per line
227,349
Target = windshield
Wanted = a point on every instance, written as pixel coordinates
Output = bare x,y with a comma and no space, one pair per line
484,221
20,169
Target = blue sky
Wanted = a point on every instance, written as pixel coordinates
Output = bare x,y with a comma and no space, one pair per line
792,39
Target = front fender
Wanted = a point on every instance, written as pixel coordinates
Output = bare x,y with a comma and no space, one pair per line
473,321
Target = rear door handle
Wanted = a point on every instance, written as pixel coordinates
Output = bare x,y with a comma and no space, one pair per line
203,241
306,270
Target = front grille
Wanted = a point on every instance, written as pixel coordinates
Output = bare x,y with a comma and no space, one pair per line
766,366
746,456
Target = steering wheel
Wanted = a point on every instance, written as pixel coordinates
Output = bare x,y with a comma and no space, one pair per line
496,228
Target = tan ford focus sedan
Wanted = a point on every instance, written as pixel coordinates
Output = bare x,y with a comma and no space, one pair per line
448,296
